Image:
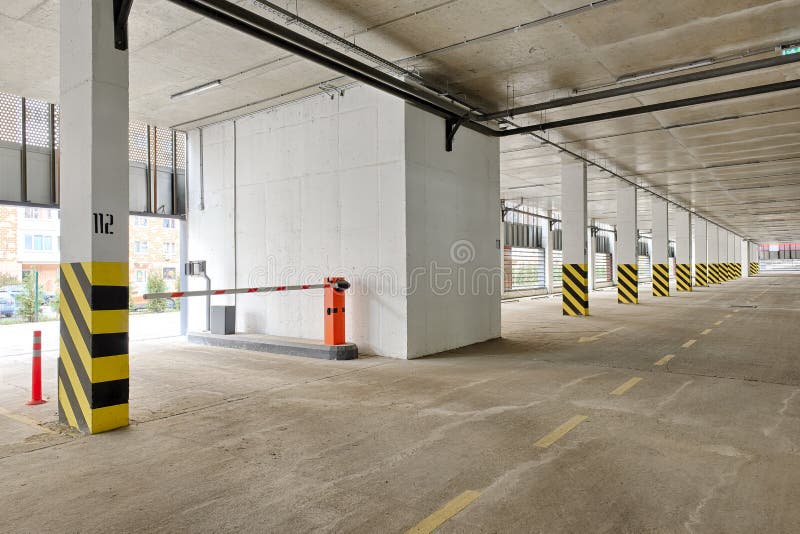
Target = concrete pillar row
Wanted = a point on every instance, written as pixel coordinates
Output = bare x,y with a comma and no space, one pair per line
548,256
626,245
93,359
714,273
574,220
660,260
701,269
683,250
732,255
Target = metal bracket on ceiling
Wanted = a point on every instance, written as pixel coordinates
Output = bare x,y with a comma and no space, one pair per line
451,126
122,8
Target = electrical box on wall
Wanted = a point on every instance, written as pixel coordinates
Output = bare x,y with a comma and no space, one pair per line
195,268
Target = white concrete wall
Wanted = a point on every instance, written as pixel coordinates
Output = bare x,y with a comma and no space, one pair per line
351,187
452,209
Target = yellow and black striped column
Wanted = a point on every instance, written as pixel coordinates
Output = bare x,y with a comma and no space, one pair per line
575,289
628,283
93,357
683,276
729,270
738,269
714,273
660,279
753,268
701,275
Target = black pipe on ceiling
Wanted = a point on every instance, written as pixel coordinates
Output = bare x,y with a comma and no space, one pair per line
650,108
248,22
645,86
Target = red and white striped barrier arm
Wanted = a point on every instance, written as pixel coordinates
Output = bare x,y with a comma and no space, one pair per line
341,285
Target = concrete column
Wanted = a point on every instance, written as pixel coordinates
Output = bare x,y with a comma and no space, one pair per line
723,255
737,255
746,258
575,288
548,255
714,273
660,248
93,362
626,246
732,254
683,250
700,252
591,259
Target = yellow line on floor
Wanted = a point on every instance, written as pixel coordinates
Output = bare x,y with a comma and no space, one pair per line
437,518
689,343
728,316
734,311
706,331
559,432
718,323
626,386
26,421
665,359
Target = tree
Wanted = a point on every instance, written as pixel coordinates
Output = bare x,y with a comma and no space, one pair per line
156,284
8,280
55,302
27,299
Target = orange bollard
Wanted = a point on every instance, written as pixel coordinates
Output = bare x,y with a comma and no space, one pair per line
36,370
334,310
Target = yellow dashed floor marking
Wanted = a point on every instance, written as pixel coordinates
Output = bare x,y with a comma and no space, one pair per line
718,323
26,421
689,343
559,432
665,359
437,518
626,386
706,331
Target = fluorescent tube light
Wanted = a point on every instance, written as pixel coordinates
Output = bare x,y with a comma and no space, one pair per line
198,89
667,70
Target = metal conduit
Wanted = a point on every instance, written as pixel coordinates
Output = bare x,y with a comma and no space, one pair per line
646,86
261,28
250,23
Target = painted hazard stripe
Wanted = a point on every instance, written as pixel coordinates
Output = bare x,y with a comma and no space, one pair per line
683,277
701,275
575,289
628,283
93,350
660,280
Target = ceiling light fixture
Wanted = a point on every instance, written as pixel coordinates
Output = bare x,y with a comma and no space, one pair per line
666,70
198,89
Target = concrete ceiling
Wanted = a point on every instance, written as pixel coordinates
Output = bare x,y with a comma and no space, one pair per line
736,162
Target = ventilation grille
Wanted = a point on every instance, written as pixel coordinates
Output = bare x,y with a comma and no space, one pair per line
164,147
180,146
37,123
137,142
10,118
57,124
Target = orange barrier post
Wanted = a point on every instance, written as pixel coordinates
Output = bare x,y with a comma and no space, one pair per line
36,370
334,310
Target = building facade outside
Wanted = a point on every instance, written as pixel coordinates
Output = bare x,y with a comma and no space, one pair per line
30,241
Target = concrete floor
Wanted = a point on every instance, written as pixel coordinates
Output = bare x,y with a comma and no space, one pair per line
225,440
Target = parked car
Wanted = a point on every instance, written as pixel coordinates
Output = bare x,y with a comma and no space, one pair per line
139,304
15,290
8,304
